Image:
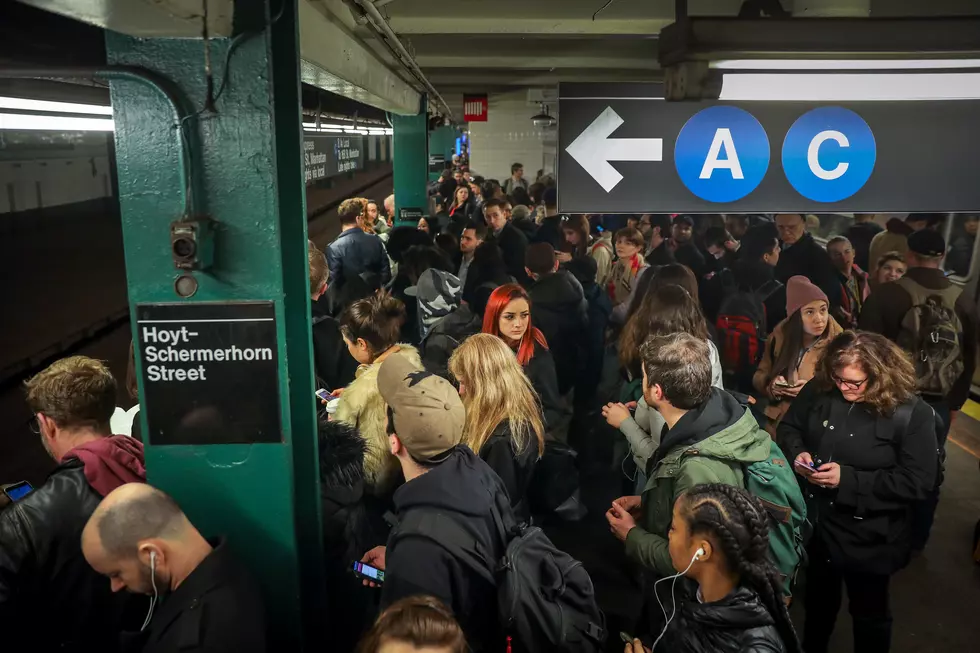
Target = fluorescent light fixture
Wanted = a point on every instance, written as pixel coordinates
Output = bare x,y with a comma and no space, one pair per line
54,123
853,87
844,64
22,104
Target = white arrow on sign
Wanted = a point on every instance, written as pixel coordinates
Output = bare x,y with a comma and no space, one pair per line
593,149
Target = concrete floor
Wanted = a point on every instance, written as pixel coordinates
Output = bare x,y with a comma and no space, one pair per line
935,600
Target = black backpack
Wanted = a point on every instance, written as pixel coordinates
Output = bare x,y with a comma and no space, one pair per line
933,333
545,598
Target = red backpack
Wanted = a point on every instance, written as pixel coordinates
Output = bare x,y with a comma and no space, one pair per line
741,327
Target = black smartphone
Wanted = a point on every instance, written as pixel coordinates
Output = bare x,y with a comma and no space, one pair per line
17,491
367,572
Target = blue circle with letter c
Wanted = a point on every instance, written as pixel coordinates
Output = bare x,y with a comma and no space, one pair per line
722,154
829,154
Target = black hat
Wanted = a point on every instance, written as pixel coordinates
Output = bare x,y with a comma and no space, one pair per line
927,242
684,219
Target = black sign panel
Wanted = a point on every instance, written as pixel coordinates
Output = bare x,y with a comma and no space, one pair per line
623,149
210,372
410,214
327,156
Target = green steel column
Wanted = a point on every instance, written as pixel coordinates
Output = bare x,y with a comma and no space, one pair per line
442,141
248,157
410,144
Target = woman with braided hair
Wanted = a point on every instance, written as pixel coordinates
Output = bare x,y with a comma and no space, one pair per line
729,596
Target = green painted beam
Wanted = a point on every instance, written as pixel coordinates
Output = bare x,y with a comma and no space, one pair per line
264,497
410,146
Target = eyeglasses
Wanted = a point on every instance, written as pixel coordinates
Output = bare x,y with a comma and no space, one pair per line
850,385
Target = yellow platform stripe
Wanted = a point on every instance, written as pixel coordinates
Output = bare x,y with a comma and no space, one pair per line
972,409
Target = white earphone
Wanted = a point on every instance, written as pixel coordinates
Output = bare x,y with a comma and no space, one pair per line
153,582
673,607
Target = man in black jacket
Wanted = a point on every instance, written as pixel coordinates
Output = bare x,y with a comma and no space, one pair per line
355,254
550,229
508,238
141,540
656,230
802,255
42,571
447,481
685,250
334,365
560,311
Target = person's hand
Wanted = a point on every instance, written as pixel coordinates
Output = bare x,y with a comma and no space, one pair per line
620,522
793,390
376,558
615,414
333,395
777,386
827,475
636,646
563,257
630,504
802,465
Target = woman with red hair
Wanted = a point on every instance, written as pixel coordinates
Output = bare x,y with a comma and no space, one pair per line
508,316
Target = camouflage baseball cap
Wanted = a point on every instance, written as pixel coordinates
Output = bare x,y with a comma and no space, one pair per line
428,413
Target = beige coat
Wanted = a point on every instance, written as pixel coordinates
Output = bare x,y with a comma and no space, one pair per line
361,406
622,278
808,367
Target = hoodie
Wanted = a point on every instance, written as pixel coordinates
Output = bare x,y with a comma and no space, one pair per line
709,444
463,488
893,239
438,294
111,462
559,309
738,623
445,335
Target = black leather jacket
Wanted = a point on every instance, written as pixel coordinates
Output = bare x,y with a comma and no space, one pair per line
739,623
43,572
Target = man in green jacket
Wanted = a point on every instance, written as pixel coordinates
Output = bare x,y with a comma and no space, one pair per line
708,438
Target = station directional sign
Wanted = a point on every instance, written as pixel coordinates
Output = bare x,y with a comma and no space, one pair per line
624,149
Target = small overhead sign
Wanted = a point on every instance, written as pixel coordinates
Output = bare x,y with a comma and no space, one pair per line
475,108
623,149
210,372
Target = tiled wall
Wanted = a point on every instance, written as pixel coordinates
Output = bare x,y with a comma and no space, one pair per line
509,136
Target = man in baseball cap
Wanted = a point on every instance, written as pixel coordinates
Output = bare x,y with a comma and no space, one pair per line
884,313
443,480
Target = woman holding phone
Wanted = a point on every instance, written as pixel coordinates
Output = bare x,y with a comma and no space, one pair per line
795,347
866,447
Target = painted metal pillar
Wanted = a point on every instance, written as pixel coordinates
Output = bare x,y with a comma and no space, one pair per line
248,163
442,142
410,147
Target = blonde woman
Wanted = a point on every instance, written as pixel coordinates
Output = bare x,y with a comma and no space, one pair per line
504,425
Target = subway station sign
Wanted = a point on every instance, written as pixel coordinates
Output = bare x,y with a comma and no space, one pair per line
327,156
210,372
623,149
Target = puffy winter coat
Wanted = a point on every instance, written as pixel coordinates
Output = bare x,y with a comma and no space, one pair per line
362,407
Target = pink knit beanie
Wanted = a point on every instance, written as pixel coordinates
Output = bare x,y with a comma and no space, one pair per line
800,292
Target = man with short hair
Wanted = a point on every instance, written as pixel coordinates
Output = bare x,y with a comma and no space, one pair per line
853,281
334,365
355,257
42,571
699,417
804,256
685,250
656,229
560,311
549,231
143,542
511,241
737,225
516,179
390,209
445,479
885,312
472,237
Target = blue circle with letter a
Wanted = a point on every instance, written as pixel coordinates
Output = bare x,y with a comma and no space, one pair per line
829,154
722,154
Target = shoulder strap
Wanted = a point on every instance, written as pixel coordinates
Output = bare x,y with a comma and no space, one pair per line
903,418
766,290
319,318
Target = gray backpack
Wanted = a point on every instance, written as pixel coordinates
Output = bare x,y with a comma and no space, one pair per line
933,333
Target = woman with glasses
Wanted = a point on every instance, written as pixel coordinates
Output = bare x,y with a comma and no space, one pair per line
794,349
865,447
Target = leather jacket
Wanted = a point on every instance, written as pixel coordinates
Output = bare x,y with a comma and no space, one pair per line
43,572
